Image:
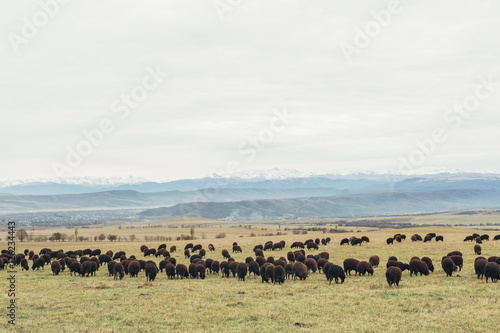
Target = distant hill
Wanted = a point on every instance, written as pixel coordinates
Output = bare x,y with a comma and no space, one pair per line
354,205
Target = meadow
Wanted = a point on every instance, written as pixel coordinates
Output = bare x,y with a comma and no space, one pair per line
433,303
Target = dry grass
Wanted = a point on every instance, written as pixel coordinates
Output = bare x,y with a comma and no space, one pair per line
365,304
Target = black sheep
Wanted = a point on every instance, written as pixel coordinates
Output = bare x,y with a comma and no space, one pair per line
344,241
254,267
448,266
110,267
479,267
75,267
40,262
458,261
389,241
350,265
335,272
400,265
181,271
428,261
439,238
492,271
418,266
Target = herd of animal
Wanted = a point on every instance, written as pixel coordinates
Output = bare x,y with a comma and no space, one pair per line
296,264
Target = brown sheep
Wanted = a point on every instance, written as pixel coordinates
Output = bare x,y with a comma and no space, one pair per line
150,252
118,255
188,246
400,265
448,266
270,260
479,267
225,254
439,238
173,248
118,271
181,271
393,258
96,260
187,254
170,270
40,262
429,264
134,268
478,240
389,241
454,253
263,274
202,253
492,271
172,260
86,268
233,267
321,263
24,264
415,258
261,260
197,247
300,258
324,255
279,274
290,256
312,245
241,271
356,241
393,275
311,265
418,266
215,267
259,253
288,270
457,260
56,267
201,270
143,248
364,267
211,247
344,241
477,249
254,267
151,271
374,260
236,248
300,271
350,265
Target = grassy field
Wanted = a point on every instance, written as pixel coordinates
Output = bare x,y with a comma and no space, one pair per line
431,303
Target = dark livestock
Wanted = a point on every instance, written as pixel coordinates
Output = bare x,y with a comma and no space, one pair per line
492,271
335,272
242,271
418,266
118,271
350,265
300,271
364,267
393,275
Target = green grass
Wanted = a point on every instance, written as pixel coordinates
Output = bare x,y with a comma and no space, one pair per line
363,304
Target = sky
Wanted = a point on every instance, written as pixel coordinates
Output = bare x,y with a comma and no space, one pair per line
181,89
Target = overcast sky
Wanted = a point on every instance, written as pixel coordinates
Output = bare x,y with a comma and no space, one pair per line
353,101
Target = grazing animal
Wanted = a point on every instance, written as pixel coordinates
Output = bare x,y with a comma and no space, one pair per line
448,266
134,267
300,271
173,248
478,240
374,260
479,267
236,248
151,271
24,264
334,272
312,245
492,271
344,241
104,258
400,265
225,254
197,247
150,252
364,267
188,246
56,267
279,274
439,238
321,263
365,239
86,268
110,267
233,267
291,256
350,265
393,275
118,271
429,264
40,262
75,268
427,238
485,237
324,255
468,238
261,260
242,271
259,253
263,274
477,249
187,254
211,247
356,241
418,266
181,271
96,252
497,237
202,253
170,270
458,261
300,258
201,270
311,265
254,267
454,253
390,241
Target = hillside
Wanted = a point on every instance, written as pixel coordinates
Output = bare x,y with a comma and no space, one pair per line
336,206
